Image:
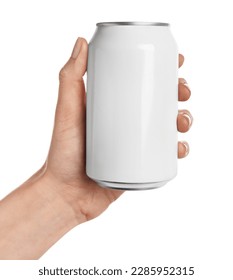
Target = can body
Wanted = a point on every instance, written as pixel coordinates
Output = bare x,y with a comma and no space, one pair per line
132,84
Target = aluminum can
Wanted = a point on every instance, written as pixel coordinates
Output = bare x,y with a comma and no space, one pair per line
132,94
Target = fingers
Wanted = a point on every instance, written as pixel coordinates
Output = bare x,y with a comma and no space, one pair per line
183,149
181,60
184,120
184,91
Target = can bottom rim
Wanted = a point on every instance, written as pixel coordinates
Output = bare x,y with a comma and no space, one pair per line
130,186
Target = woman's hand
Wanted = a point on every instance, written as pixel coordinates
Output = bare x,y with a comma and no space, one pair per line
60,195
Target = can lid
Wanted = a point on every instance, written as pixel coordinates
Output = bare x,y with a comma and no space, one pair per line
137,23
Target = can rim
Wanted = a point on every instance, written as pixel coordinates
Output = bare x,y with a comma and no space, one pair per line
134,23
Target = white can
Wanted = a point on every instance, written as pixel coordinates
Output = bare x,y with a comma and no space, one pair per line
132,94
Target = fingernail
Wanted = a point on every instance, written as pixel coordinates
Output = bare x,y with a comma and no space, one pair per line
184,82
186,147
187,116
76,49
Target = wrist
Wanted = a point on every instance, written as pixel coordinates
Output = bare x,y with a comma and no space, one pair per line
43,216
61,199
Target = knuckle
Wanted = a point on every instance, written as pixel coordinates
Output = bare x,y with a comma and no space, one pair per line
65,72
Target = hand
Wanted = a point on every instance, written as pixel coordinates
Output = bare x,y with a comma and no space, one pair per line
60,195
66,160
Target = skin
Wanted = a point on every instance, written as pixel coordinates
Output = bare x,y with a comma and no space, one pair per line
60,196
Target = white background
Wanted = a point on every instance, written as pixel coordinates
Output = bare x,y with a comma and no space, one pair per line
186,223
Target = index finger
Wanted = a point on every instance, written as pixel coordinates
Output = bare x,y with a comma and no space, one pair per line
181,60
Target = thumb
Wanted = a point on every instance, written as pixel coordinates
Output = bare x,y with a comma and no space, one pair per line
71,99
75,68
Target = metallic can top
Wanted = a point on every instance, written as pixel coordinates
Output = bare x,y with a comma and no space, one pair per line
137,23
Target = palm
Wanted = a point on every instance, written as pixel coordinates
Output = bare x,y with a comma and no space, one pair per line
66,160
